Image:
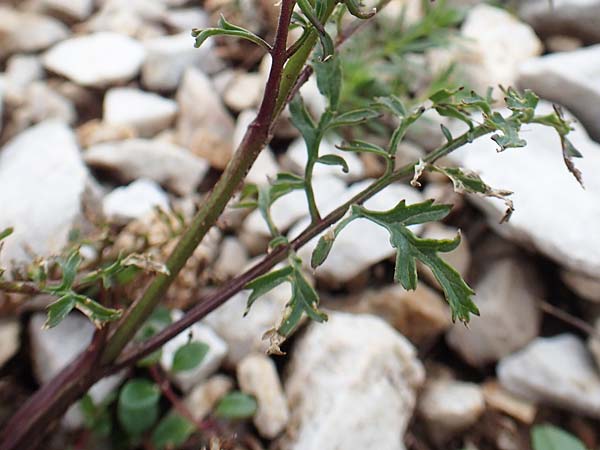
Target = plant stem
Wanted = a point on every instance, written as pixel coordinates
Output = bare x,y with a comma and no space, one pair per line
254,141
216,299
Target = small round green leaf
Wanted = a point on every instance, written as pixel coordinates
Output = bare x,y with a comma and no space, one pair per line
172,431
548,437
236,405
189,356
137,408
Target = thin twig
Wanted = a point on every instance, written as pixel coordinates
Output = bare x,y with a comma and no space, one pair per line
569,318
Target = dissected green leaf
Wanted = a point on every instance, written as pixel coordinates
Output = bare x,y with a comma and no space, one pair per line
509,127
353,118
549,437
172,431
411,248
59,309
466,181
227,29
322,249
6,232
303,121
354,9
189,356
334,160
267,282
69,271
359,146
236,406
137,408
393,104
329,80
328,49
97,313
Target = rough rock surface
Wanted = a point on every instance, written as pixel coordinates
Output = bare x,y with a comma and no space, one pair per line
257,376
507,297
552,77
579,18
9,337
145,112
204,126
28,32
83,59
41,173
557,371
167,58
204,397
449,406
346,376
540,181
167,164
135,200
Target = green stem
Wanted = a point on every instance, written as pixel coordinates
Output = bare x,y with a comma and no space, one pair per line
256,138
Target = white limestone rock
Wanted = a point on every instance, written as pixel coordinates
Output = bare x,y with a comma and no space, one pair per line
10,330
553,78
579,18
257,376
167,164
345,376
73,9
96,60
185,19
199,332
135,200
23,32
204,125
42,179
167,58
145,112
540,181
232,258
205,396
22,70
494,44
555,371
449,406
244,91
507,297
362,243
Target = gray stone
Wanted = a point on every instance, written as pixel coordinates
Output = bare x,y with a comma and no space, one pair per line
579,18
73,9
450,406
167,58
244,91
205,396
167,164
204,125
507,297
84,59
185,19
22,32
540,181
42,179
145,112
494,44
344,377
556,371
10,330
257,376
135,200
554,78
585,286
24,69
232,259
